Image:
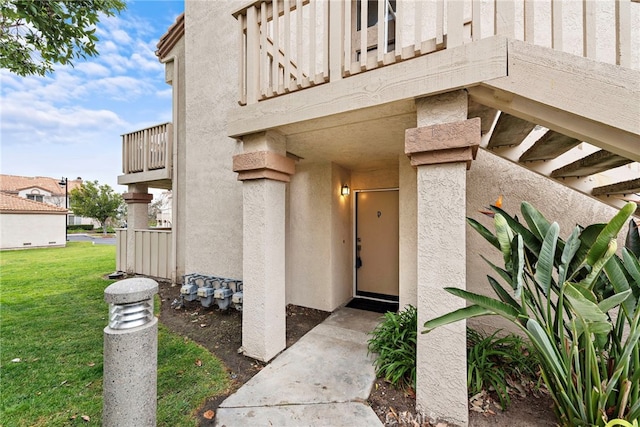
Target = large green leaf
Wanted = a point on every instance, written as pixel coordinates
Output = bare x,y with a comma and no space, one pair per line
530,240
505,236
544,268
539,337
570,249
517,264
498,307
615,272
610,232
454,316
506,276
503,294
613,301
588,237
592,278
632,265
592,318
484,232
586,292
536,221
632,241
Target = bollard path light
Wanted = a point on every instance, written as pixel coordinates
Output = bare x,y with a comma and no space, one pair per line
130,355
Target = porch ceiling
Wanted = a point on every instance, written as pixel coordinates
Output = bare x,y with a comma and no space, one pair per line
373,143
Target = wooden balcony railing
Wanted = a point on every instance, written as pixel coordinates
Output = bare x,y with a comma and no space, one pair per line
147,149
288,45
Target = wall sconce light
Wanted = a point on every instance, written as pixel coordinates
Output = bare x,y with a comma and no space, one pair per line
344,191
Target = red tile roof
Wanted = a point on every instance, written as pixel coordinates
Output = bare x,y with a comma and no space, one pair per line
171,37
13,184
15,204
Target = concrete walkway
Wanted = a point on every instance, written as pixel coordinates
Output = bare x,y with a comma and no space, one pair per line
322,380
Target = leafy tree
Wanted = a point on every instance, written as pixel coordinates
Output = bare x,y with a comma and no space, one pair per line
35,34
96,201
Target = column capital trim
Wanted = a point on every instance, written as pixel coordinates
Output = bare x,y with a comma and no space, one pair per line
443,143
137,197
263,165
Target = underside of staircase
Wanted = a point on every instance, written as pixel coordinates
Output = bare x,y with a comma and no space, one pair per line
570,119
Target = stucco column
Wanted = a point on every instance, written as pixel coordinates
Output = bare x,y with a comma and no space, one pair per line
137,200
407,223
264,171
441,148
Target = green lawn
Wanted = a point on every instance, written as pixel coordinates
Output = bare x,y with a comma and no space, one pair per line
52,316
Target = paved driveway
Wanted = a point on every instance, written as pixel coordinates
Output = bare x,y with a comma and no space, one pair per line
95,240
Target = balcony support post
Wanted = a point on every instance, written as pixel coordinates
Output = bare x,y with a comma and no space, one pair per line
264,171
137,200
441,148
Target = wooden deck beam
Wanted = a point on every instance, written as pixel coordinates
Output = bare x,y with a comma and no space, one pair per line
597,162
509,131
549,146
487,115
625,187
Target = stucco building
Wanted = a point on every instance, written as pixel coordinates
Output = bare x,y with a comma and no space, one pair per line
44,189
26,223
277,112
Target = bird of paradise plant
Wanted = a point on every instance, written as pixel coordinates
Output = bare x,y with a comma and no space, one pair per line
577,301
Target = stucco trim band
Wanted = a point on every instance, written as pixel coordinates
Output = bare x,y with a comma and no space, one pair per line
443,143
263,165
137,197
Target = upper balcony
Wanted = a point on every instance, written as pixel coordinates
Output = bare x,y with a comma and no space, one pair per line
290,45
147,157
544,76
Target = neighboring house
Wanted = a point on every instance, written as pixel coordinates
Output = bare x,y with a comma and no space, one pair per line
27,223
44,189
163,216
454,104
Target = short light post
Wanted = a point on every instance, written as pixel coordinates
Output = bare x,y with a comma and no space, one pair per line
130,355
63,183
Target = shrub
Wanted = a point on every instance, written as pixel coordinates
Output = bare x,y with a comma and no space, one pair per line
493,360
394,340
577,301
80,227
109,230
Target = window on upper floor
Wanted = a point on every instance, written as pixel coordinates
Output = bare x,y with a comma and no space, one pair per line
36,197
372,12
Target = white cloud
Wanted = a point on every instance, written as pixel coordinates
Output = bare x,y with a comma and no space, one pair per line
60,124
116,62
146,63
93,69
166,93
120,36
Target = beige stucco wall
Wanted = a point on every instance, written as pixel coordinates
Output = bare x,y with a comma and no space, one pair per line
179,164
175,76
308,259
212,195
319,237
375,179
38,230
341,243
407,223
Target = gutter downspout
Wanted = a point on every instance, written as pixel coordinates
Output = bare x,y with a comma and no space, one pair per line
174,164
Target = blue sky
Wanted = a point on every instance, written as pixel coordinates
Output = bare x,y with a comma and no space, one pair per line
69,123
